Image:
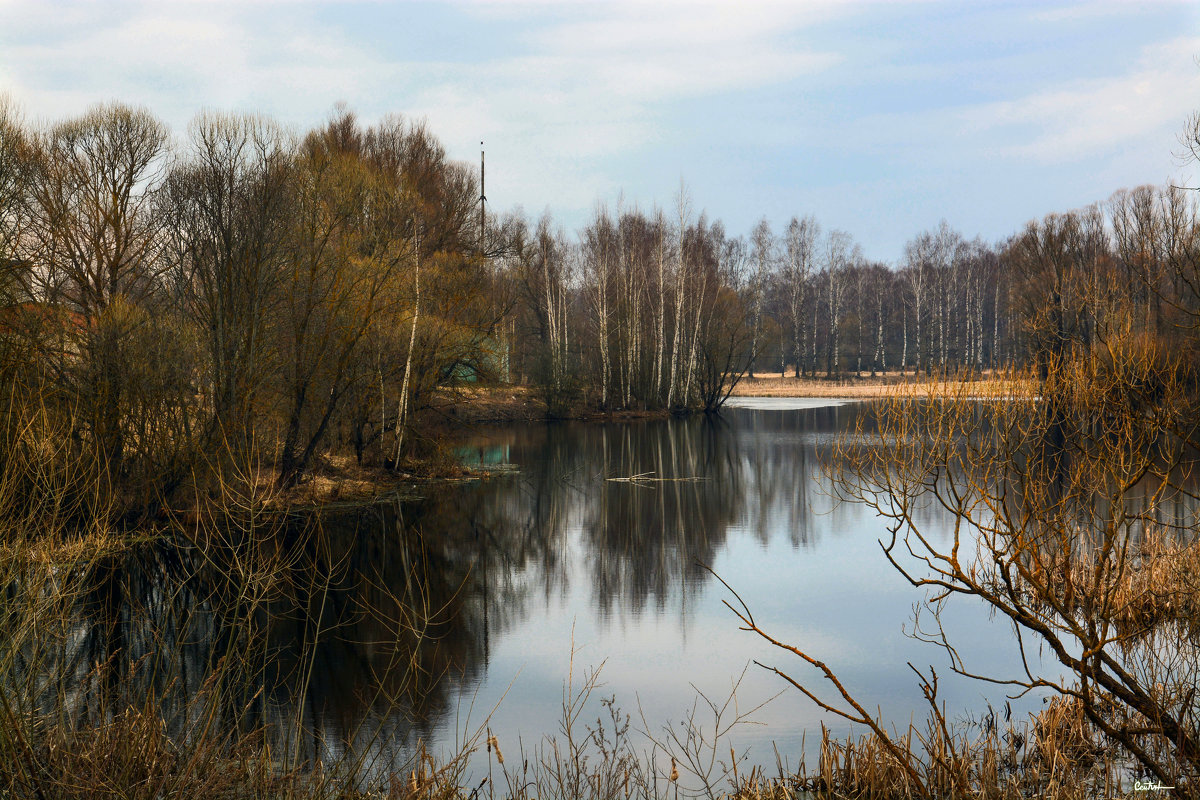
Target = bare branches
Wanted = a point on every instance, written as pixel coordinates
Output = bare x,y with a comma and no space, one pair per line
856,713
1047,494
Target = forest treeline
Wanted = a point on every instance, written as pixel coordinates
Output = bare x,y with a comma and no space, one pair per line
179,313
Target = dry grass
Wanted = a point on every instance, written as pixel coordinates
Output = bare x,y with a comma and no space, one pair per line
1054,755
1163,587
474,404
336,478
772,384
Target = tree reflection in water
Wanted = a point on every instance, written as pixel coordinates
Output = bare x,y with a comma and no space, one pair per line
362,627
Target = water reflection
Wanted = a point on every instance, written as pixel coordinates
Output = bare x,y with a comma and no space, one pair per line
375,624
350,637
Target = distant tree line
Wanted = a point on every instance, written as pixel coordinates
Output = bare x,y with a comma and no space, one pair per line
652,310
179,315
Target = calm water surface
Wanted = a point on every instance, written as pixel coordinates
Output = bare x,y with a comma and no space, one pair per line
474,604
551,553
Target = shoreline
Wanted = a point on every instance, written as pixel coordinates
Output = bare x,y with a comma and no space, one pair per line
867,387
457,411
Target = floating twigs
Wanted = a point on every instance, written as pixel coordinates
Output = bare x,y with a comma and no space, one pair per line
644,478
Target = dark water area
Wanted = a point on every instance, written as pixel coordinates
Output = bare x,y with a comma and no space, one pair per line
474,604
551,553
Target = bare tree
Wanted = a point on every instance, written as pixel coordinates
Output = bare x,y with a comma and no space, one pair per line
226,206
97,246
917,272
16,174
840,250
546,269
763,256
801,243
340,273
598,258
96,232
683,210
661,256
1053,269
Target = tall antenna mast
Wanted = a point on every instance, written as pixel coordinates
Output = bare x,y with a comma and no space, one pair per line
482,198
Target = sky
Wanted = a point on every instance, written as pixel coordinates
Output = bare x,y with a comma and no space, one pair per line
879,119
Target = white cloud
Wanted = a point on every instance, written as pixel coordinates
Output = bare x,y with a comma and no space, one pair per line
1089,117
174,57
586,90
1130,119
1076,11
574,100
568,92
656,51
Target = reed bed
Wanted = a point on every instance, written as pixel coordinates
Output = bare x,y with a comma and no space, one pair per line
1163,588
991,384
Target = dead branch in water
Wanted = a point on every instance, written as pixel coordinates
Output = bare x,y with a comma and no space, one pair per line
648,477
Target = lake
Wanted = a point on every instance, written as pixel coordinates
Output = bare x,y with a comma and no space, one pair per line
587,546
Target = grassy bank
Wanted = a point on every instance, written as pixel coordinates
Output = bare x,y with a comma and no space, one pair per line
499,404
337,477
867,386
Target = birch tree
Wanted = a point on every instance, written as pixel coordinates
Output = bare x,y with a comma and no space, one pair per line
918,257
762,254
546,266
800,243
683,213
598,247
838,254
